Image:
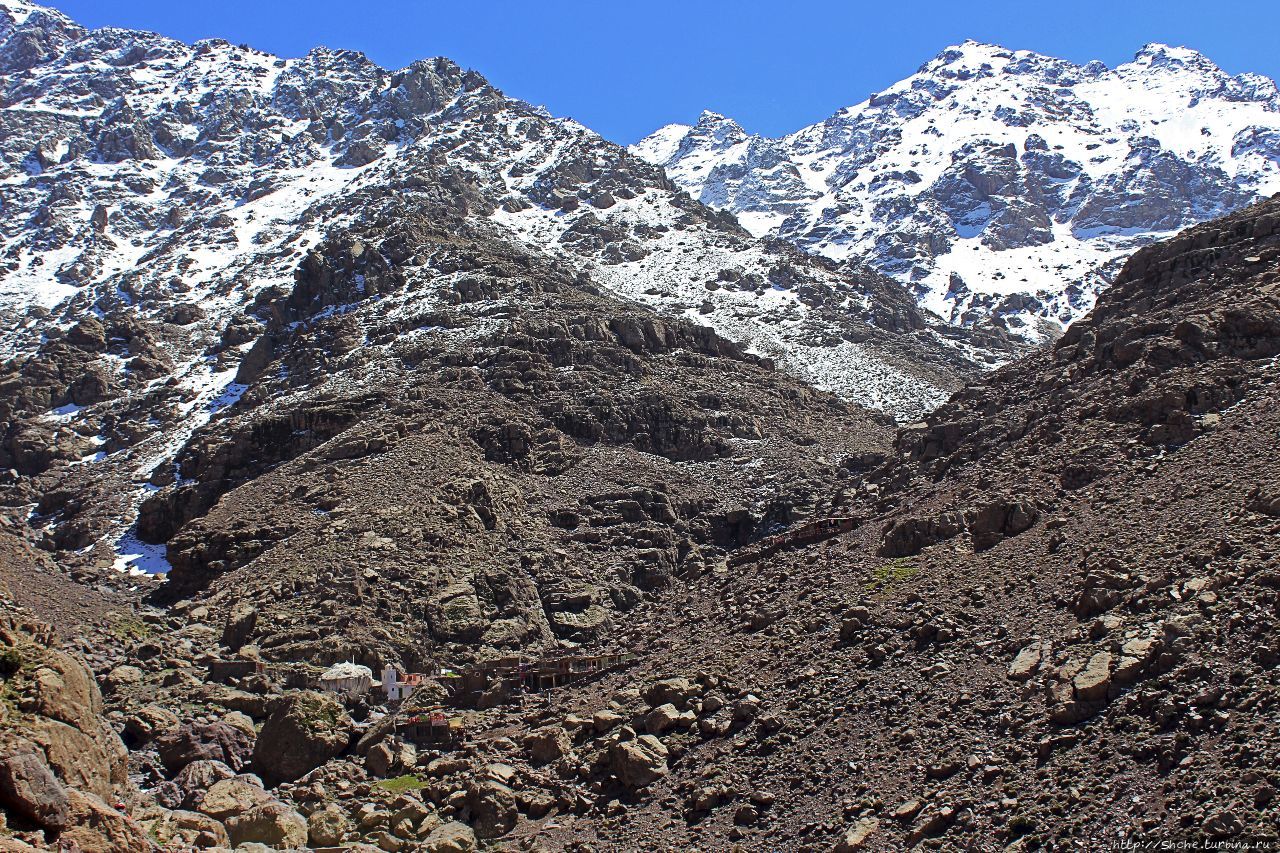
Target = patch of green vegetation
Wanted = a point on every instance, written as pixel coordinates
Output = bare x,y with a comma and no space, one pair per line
128,628
403,784
892,573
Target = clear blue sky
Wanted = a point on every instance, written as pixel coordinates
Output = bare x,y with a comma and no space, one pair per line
626,68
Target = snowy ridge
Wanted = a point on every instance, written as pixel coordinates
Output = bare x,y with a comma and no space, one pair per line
997,183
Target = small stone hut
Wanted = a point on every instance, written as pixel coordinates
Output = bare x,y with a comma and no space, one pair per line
347,679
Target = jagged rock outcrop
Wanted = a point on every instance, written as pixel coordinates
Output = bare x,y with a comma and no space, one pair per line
61,764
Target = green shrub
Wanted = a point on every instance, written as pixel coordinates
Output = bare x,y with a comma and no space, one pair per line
402,784
890,574
128,628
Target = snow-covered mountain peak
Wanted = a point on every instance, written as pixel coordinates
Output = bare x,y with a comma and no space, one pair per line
661,145
1172,59
16,12
711,118
31,34
999,183
969,55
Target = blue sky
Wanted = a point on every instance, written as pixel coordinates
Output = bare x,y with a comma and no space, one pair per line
626,68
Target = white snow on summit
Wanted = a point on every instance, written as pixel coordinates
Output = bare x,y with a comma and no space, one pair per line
999,183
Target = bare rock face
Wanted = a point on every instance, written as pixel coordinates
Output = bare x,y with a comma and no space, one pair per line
239,626
95,825
29,788
859,836
304,730
60,716
1027,661
1093,682
60,760
217,741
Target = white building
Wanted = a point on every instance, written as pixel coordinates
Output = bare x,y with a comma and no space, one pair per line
397,686
347,679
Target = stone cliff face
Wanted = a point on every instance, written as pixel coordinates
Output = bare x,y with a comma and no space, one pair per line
999,185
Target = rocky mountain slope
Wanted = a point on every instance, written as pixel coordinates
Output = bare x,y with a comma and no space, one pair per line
1057,626
160,198
997,183
1053,622
433,415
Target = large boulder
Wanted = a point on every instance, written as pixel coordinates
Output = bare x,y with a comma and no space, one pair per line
391,757
304,731
184,830
993,522
273,824
96,826
859,836
29,788
547,744
149,722
665,717
452,837
62,719
493,808
217,741
198,777
638,762
123,676
326,827
231,797
677,691
239,626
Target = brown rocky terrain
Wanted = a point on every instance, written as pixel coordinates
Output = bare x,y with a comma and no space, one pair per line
1055,626
1042,618
1062,630
62,767
473,489
403,484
